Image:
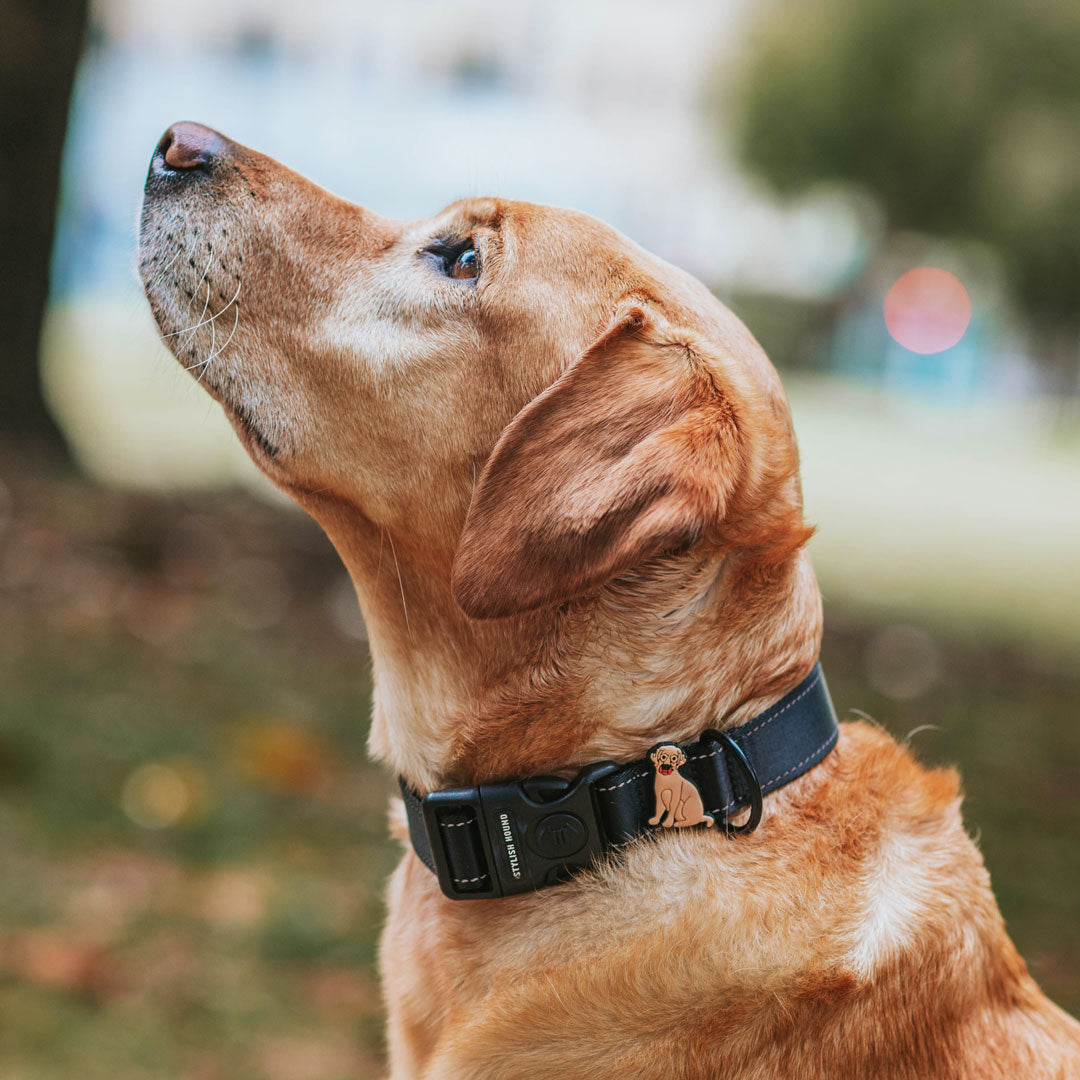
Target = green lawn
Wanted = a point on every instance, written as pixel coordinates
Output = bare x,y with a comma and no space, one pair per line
192,841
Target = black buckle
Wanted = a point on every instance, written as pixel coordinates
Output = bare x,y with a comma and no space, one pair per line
735,753
532,832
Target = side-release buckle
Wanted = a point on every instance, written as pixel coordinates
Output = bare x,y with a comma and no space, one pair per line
530,833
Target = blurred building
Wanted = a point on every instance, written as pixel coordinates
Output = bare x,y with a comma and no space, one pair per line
606,107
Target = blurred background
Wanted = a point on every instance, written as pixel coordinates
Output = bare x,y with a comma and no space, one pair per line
192,843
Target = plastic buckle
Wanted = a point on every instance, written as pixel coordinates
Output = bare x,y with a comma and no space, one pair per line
532,832
434,808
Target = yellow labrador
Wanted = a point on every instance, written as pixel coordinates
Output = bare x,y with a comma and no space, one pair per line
564,480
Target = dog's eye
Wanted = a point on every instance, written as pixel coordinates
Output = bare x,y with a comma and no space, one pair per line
466,265
456,258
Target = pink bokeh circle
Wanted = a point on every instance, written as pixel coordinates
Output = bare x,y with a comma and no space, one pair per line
927,310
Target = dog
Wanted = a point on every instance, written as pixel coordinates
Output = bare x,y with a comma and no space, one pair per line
678,801
564,480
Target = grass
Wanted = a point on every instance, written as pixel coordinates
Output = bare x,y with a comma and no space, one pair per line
193,841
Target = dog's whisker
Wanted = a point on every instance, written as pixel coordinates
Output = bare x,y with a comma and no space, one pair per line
558,996
214,353
165,269
916,730
212,317
213,343
202,315
378,568
401,586
217,352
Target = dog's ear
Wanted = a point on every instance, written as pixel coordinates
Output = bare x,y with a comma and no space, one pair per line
632,452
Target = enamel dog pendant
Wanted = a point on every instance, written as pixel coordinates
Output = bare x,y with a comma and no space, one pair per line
678,801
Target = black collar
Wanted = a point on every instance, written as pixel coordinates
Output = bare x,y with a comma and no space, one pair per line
516,835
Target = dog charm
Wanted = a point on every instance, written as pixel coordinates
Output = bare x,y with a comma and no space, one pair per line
678,801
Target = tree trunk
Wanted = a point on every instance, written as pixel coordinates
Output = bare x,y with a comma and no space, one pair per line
40,42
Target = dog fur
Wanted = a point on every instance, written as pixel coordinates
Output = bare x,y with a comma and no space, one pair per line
567,493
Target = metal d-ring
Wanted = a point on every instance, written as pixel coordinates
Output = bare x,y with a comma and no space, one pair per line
735,751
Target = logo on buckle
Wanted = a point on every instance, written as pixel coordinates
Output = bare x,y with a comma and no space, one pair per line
558,836
678,801
510,844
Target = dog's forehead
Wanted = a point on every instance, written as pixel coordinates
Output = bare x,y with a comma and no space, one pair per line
466,214
555,229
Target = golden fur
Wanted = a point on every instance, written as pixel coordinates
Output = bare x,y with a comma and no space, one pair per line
567,493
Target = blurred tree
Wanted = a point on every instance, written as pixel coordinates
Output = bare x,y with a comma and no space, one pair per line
40,41
962,118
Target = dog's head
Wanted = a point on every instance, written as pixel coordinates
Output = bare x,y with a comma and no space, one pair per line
667,759
517,390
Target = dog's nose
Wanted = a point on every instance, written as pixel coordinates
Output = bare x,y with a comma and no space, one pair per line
188,146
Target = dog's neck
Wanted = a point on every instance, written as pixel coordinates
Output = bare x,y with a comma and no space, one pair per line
687,643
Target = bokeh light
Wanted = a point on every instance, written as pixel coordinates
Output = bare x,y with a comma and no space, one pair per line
157,795
927,310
